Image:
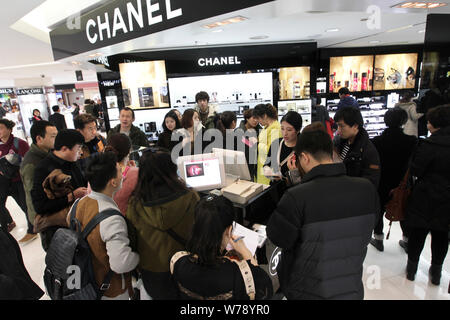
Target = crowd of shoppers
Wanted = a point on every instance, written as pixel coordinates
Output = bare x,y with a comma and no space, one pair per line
181,245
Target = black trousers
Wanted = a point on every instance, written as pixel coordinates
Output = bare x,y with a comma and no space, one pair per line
15,190
439,244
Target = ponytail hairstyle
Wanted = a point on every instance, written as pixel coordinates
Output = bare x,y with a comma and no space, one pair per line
120,145
224,121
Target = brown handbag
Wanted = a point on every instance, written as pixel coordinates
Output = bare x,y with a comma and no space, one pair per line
396,206
56,185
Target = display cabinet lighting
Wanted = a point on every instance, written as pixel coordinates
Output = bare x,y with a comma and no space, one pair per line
420,5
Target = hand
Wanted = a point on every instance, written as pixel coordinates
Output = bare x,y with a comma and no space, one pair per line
292,163
80,192
240,247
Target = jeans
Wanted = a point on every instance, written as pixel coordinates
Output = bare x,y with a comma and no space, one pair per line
15,190
439,245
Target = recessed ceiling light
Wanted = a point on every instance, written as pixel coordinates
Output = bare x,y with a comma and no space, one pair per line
374,41
332,30
421,31
419,5
259,37
225,22
217,31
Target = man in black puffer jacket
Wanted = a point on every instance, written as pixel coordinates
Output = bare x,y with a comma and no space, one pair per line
352,143
323,226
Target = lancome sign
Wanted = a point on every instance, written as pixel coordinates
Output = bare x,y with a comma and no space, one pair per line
118,21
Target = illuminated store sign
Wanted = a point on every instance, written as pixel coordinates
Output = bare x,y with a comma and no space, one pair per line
118,21
218,61
6,91
23,92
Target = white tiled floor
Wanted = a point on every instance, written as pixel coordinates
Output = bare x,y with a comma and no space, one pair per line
384,272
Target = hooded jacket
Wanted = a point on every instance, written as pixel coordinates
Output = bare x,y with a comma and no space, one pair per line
324,239
429,203
153,219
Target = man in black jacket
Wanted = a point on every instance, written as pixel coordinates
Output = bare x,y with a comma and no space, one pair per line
57,119
67,150
354,147
323,238
15,281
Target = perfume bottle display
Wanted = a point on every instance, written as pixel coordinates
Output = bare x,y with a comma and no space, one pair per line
352,72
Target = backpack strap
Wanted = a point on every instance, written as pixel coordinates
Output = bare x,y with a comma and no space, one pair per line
74,223
177,256
106,283
248,278
97,219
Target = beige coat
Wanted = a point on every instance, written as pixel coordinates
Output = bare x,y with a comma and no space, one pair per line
411,128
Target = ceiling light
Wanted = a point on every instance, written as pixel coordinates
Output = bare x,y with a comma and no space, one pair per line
218,30
421,31
225,22
332,30
419,5
401,28
374,41
259,37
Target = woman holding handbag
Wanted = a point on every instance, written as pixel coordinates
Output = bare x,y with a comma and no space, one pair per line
429,204
206,271
395,149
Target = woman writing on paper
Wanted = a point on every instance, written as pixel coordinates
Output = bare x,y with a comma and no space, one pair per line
205,272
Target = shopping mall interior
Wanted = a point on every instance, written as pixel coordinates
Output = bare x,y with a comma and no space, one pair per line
154,56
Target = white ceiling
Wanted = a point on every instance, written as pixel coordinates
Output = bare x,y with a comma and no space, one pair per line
26,41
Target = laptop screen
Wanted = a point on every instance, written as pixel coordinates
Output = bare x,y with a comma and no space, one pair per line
202,173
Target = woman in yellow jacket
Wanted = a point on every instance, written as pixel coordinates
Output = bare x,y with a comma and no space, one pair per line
267,116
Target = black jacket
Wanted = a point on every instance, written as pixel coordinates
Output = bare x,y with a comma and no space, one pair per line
42,204
362,159
15,281
58,120
429,203
323,226
137,136
395,149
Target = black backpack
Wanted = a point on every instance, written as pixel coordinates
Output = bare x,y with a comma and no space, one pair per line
69,273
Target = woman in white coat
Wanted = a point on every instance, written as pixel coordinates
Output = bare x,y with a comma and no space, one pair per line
411,126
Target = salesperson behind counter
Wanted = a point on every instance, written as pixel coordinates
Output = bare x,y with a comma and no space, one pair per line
276,166
267,116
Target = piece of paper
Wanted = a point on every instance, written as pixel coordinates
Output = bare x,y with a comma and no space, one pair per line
251,238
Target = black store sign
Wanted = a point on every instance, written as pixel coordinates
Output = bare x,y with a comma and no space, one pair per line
6,91
118,21
23,92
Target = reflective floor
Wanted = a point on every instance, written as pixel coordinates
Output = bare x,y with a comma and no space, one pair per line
384,272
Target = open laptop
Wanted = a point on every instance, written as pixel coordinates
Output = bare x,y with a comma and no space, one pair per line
202,172
235,164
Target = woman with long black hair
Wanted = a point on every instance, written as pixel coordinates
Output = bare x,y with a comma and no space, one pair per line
162,211
170,124
207,271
